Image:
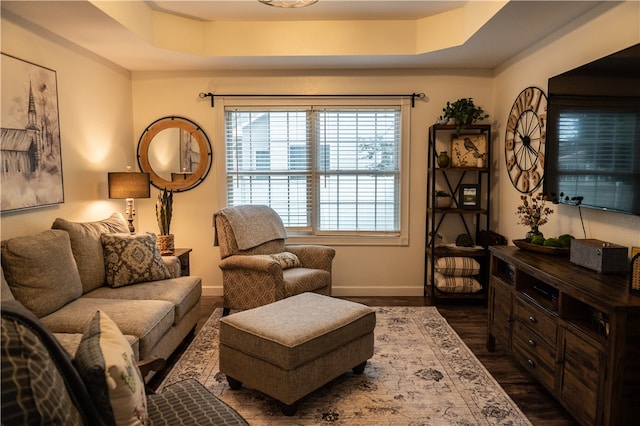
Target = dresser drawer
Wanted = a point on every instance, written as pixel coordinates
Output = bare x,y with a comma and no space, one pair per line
537,320
535,354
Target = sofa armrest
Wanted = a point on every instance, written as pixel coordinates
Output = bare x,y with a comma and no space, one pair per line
173,265
256,263
313,256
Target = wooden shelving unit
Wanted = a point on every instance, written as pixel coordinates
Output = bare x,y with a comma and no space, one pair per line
471,221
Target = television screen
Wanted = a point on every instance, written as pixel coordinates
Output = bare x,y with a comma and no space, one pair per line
593,134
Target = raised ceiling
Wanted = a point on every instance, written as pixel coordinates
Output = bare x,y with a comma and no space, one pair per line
331,34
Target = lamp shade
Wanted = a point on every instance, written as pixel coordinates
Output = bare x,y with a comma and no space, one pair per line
129,185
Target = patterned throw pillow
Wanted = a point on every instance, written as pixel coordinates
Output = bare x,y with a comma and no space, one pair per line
108,368
285,259
458,266
451,284
130,259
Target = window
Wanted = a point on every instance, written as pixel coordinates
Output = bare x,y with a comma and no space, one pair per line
325,170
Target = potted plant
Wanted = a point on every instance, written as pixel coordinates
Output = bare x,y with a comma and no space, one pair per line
463,112
164,211
443,199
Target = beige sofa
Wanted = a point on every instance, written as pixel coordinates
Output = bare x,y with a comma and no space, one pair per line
65,274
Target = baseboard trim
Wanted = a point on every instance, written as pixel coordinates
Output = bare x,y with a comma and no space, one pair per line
344,291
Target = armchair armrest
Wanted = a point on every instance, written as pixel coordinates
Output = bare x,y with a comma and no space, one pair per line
313,256
255,263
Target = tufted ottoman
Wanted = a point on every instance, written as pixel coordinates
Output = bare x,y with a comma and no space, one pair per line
290,348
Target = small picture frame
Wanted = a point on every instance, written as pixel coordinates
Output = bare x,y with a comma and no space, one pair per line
469,196
469,150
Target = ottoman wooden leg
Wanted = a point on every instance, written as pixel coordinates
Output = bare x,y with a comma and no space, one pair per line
359,369
233,383
290,409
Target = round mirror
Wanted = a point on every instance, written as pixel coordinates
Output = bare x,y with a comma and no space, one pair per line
176,153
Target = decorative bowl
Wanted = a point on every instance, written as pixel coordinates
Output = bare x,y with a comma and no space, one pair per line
558,251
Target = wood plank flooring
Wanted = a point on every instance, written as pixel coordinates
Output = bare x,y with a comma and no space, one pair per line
470,322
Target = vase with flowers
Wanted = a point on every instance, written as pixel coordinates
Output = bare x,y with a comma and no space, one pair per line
533,213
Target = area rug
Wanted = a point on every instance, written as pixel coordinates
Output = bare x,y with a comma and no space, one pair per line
421,373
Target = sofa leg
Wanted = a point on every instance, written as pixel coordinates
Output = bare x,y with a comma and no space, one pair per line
225,311
289,409
233,383
359,369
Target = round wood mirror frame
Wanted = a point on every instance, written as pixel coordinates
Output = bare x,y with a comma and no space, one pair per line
192,178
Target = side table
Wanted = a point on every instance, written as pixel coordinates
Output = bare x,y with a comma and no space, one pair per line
183,256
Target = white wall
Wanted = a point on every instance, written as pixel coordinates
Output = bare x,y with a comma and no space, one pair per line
358,270
96,132
603,31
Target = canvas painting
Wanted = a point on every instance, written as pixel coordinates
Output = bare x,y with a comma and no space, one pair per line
30,138
467,149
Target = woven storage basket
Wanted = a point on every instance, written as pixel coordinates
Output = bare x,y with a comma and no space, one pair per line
634,276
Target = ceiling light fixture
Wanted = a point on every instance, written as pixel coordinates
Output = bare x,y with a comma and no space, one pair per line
288,3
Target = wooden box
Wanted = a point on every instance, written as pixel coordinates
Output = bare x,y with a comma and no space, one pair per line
600,256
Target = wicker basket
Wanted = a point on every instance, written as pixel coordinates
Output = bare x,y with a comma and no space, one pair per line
165,244
634,276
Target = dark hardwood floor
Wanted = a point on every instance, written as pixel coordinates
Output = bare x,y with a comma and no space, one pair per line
470,322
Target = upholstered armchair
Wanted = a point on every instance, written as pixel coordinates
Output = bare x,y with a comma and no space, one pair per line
257,267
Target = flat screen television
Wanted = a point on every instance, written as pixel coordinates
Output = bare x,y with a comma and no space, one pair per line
592,153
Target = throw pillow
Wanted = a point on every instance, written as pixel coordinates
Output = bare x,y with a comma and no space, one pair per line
108,369
285,259
458,266
87,248
451,284
41,271
131,259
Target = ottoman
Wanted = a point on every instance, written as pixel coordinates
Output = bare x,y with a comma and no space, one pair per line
292,347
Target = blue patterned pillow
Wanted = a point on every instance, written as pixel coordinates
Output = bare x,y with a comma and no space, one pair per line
130,259
108,368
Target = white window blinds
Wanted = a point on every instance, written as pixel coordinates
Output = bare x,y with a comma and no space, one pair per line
323,170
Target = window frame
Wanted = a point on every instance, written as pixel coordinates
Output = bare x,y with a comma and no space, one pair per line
373,238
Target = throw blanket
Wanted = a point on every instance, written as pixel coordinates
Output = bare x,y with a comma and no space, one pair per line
253,224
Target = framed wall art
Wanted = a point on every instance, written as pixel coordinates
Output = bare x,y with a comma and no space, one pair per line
467,150
469,196
30,139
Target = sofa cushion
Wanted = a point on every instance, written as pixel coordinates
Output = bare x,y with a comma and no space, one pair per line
71,341
108,368
183,292
87,247
149,320
41,271
131,259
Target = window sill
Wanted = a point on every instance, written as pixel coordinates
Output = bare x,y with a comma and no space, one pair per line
349,240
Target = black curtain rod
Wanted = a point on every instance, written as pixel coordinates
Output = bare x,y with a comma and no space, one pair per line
413,96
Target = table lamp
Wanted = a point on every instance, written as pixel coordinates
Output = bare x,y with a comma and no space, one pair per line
129,185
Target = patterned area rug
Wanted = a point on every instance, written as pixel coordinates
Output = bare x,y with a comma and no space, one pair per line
421,374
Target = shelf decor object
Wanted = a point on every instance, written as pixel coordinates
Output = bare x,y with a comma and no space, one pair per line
537,248
466,150
634,276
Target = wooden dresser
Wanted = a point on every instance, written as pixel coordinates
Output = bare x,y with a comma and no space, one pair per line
576,331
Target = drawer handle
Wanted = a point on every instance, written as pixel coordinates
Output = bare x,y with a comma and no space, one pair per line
532,342
531,362
533,319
